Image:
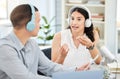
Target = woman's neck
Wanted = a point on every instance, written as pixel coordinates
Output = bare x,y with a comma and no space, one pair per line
76,34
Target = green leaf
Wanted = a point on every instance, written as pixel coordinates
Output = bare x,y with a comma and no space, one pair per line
45,19
46,29
47,26
50,37
40,37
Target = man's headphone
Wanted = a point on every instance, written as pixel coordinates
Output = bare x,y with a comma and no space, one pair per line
88,21
31,24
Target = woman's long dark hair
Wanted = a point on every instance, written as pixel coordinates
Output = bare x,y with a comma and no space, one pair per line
88,30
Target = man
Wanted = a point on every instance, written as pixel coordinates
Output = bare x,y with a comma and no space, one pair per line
20,56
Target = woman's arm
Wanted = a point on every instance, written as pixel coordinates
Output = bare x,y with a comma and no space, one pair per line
84,40
94,52
58,52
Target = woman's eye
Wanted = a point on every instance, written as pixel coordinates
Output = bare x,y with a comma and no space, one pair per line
72,18
79,19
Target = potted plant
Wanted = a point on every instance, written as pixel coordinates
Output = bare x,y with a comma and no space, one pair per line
46,30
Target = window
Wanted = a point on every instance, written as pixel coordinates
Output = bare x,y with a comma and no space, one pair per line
58,15
118,26
118,12
3,9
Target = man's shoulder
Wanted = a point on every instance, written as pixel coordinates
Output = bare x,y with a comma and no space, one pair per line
6,41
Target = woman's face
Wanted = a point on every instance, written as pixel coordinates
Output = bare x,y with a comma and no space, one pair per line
77,22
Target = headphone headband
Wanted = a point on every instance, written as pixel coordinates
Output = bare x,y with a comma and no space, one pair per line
82,7
33,12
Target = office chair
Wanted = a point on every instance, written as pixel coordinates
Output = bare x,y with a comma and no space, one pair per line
47,52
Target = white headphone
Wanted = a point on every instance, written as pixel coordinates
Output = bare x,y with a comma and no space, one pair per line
88,21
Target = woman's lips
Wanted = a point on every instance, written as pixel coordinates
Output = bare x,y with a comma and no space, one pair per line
75,27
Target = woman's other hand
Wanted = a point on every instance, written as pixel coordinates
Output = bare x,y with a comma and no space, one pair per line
84,40
63,50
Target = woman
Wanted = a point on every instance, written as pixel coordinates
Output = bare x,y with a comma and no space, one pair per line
78,42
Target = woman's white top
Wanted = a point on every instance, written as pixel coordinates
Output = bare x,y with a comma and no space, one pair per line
76,56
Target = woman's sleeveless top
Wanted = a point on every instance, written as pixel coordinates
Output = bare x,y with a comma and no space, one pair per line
76,56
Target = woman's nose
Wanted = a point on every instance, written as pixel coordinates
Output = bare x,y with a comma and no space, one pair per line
74,22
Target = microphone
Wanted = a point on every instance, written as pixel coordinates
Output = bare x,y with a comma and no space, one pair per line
105,52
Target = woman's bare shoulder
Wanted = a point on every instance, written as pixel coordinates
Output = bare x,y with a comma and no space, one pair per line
57,35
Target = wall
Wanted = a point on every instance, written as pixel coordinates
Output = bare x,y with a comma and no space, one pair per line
5,28
110,25
58,12
118,11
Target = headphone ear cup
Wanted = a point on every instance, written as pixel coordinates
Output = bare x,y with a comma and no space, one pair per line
30,26
88,23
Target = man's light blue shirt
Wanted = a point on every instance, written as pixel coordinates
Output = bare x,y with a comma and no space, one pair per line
18,61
